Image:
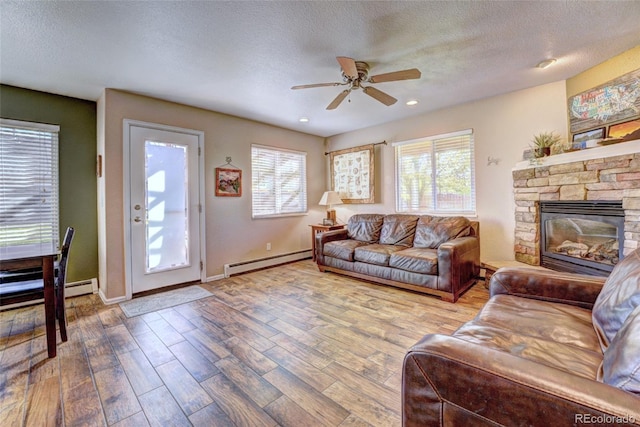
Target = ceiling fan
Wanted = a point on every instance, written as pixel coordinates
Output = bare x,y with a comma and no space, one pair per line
355,73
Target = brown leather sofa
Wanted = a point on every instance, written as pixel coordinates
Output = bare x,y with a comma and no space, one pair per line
434,255
548,349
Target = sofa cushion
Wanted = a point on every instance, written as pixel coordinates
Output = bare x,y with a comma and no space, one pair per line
619,296
432,231
429,281
556,335
398,230
365,227
621,364
375,254
341,249
373,270
338,263
417,260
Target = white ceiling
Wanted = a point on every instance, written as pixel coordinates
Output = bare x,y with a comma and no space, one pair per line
242,57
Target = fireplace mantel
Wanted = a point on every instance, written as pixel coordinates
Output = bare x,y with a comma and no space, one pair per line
622,148
611,172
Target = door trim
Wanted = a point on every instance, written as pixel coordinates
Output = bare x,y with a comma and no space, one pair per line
127,124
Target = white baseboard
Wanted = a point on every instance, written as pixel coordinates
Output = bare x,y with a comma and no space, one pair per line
108,301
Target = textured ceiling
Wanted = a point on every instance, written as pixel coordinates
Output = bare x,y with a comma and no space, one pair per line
242,58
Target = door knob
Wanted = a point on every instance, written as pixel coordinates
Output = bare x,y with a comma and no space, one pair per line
137,219
136,207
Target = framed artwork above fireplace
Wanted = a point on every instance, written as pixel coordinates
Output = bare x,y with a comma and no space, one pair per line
615,101
626,131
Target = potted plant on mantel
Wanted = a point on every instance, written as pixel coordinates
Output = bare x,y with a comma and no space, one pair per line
543,142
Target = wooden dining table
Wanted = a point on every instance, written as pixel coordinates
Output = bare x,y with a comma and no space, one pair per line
40,257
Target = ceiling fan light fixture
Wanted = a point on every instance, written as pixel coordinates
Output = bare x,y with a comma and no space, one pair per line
546,63
412,102
355,73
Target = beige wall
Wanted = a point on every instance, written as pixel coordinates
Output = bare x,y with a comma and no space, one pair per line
231,234
503,127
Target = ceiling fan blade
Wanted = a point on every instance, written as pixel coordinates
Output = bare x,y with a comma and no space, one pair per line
341,96
316,85
412,73
379,95
348,66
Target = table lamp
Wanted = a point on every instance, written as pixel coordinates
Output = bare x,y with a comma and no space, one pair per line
330,198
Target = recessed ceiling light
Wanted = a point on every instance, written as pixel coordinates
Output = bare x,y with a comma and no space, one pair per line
412,102
546,63
303,119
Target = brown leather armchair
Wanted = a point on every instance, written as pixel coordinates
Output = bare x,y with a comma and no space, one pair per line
548,348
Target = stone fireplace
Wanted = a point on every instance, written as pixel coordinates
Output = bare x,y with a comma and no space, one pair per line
605,174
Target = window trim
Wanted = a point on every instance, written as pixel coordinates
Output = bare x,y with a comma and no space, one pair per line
434,139
25,250
303,155
30,125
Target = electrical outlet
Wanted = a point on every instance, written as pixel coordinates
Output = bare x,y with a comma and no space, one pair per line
268,246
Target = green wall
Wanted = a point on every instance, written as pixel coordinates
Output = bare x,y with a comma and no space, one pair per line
78,194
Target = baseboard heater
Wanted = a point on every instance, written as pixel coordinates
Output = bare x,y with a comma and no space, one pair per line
257,264
83,287
73,289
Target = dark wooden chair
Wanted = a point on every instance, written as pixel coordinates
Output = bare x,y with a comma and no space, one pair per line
23,286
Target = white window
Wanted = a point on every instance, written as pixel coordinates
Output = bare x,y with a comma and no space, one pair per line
28,187
278,181
436,174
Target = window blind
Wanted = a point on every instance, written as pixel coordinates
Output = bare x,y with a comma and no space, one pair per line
279,181
29,219
436,175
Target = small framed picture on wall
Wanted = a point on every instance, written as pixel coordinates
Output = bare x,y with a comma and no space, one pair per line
587,139
228,182
626,131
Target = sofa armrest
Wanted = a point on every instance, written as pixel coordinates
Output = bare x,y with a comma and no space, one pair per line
567,288
449,381
458,263
326,237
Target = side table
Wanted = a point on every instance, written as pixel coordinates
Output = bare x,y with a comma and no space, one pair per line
491,267
319,228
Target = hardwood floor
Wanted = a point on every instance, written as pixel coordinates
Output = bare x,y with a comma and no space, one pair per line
285,346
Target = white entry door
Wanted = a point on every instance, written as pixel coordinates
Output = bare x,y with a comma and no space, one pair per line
164,207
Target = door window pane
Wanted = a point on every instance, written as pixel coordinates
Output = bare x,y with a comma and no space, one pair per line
166,198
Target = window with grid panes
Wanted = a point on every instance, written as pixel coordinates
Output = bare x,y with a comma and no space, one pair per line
435,175
29,219
278,181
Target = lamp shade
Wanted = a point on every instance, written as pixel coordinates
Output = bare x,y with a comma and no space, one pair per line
330,198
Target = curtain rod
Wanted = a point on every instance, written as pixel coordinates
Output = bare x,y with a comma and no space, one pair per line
376,143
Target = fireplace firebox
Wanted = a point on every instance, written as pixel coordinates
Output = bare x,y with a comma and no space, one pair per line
581,236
